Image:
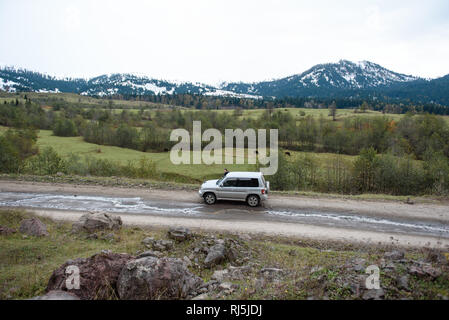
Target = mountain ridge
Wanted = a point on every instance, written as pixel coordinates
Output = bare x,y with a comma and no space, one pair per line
344,79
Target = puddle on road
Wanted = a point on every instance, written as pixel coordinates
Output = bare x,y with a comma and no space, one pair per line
358,221
175,208
92,203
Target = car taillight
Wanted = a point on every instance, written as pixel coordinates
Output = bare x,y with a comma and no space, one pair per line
263,191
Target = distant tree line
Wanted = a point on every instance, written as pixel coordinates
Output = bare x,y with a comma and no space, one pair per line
198,101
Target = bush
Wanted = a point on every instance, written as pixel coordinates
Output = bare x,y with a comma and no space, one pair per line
47,162
144,169
9,157
436,166
102,167
283,179
15,147
364,169
304,170
75,166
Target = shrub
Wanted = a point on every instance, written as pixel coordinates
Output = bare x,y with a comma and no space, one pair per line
283,179
436,166
47,162
102,167
9,157
15,147
143,168
364,169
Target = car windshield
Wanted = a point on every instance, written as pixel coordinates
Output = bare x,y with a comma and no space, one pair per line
219,180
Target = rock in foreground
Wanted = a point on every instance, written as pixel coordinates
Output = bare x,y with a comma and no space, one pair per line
158,245
98,275
6,231
151,278
394,255
96,221
180,234
216,255
33,227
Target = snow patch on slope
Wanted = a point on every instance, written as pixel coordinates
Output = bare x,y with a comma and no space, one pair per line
8,85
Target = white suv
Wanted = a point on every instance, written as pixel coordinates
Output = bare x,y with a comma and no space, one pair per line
239,186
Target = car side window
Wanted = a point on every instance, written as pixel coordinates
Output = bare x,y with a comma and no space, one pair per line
248,183
230,183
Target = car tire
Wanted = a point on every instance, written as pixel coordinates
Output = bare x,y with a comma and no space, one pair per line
253,200
210,198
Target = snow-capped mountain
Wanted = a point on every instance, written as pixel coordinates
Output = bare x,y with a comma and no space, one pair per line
332,80
324,79
13,80
349,75
139,85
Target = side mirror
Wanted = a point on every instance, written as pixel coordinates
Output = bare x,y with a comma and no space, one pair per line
221,185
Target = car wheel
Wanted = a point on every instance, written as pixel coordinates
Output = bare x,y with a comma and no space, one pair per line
253,200
210,198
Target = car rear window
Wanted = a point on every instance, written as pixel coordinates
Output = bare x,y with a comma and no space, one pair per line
248,183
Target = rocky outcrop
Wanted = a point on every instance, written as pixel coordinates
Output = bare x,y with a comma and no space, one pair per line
5,231
233,273
150,253
98,275
402,282
180,234
221,251
373,294
152,278
216,255
423,270
394,255
97,221
158,245
33,227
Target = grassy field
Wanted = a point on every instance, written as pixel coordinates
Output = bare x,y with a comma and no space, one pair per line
342,114
65,146
312,269
194,172
86,101
295,112
76,145
117,106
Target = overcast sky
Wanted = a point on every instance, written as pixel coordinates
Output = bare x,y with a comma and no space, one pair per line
212,41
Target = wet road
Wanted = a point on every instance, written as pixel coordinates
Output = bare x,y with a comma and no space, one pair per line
221,211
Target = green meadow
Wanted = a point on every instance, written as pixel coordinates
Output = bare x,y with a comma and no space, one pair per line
66,146
198,172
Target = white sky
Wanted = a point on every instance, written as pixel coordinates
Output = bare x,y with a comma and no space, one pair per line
212,41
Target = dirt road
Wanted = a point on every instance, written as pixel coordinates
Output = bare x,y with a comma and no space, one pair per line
376,222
